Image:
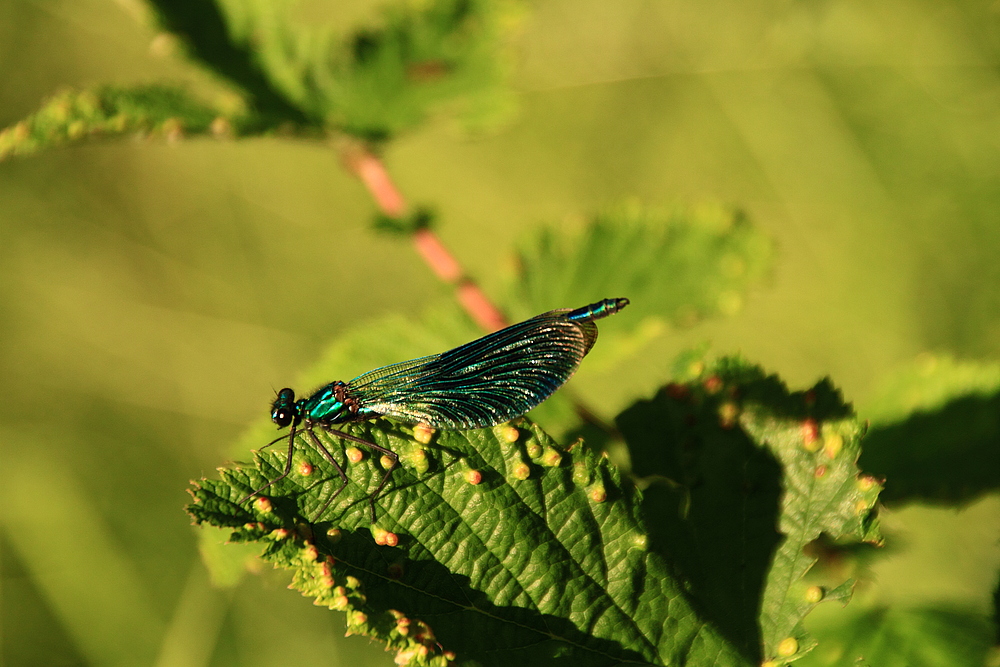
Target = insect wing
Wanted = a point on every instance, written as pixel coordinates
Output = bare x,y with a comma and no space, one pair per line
488,381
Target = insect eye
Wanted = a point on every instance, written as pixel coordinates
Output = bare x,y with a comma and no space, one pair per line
283,410
281,417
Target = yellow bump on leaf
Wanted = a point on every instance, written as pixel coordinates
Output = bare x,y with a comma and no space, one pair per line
713,384
810,435
789,646
533,449
263,505
404,657
510,433
814,594
418,459
473,477
310,552
334,535
385,537
820,471
279,533
221,128
423,433
521,471
866,482
862,506
728,412
551,458
598,494
305,468
76,129
354,455
832,444
173,129
386,462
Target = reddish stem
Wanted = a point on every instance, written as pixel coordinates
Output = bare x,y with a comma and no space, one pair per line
371,171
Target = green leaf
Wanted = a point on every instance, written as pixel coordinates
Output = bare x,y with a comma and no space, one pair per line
907,637
509,548
389,75
550,556
207,33
936,431
372,81
677,266
744,475
111,111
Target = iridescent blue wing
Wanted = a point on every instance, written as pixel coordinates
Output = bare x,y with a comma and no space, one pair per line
490,380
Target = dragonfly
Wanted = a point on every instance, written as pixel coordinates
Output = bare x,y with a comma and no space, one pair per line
486,382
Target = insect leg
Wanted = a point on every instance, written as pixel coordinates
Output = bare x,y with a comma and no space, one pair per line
288,465
339,468
367,443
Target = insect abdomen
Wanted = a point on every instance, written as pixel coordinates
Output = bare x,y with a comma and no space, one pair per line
597,311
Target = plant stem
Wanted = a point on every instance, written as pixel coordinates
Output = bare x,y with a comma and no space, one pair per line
372,173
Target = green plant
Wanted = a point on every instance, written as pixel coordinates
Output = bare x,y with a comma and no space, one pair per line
745,484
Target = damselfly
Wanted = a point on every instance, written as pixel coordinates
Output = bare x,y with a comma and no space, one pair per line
486,382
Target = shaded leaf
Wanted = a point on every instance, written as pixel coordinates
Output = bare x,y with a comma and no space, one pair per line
936,431
744,476
914,637
206,32
372,81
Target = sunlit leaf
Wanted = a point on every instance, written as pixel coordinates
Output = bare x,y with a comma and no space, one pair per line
506,547
677,266
75,116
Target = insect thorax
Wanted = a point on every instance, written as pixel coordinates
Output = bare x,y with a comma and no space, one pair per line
331,404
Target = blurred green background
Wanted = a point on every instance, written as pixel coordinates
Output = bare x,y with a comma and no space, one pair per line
152,296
